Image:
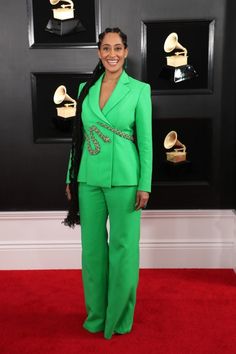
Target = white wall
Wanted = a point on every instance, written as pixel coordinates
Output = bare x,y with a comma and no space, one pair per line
169,239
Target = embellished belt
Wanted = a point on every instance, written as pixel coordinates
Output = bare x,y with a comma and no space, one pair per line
93,129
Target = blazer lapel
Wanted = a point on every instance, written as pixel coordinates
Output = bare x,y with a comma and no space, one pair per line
120,91
93,99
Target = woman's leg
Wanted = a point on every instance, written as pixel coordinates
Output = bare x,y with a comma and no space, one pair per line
123,258
93,212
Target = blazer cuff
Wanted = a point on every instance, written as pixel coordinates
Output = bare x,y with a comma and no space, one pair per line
144,187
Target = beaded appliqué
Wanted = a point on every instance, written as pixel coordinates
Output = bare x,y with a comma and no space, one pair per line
117,131
96,144
106,139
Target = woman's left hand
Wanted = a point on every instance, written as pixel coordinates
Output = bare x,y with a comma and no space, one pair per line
141,200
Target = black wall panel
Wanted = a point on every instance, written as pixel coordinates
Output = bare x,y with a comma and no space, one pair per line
32,176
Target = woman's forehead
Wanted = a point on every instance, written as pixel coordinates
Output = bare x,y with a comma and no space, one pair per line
112,38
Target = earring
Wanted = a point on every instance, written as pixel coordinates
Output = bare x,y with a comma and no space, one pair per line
100,64
125,64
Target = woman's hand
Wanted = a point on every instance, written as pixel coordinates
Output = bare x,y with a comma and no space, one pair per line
141,200
67,192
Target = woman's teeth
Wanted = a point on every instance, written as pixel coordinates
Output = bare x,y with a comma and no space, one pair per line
112,62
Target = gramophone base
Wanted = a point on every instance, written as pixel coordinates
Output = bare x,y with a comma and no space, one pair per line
176,157
63,27
66,112
178,74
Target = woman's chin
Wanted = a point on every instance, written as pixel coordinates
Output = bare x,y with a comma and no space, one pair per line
113,69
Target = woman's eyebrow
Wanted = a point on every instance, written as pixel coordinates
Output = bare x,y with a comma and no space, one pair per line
111,44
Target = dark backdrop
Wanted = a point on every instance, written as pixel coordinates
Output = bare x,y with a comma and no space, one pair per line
32,175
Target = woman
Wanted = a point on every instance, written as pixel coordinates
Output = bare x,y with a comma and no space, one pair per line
114,175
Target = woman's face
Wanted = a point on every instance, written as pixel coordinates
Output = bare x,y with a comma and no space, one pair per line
112,52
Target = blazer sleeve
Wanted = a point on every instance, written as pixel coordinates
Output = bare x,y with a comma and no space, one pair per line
144,137
69,163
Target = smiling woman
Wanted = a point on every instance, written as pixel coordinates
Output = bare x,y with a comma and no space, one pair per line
112,53
114,177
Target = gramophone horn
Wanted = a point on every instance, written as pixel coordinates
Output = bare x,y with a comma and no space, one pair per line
54,2
172,141
172,43
60,95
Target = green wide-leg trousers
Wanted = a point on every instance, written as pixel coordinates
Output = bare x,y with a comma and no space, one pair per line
110,265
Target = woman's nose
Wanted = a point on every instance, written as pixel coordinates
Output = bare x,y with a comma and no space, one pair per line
112,52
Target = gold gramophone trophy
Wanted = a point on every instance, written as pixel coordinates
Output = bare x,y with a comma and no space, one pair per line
177,68
69,109
179,152
63,20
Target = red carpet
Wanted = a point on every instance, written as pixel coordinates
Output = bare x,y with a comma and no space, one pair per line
187,311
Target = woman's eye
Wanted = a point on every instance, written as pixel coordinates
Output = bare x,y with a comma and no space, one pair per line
118,48
105,49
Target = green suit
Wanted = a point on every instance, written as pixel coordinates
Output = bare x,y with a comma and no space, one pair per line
112,169
119,162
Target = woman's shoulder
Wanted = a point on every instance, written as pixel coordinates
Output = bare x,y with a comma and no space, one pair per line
137,83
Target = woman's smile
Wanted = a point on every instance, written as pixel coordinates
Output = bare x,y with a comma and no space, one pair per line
112,62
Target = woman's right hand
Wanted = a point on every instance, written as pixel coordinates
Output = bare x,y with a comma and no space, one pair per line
67,192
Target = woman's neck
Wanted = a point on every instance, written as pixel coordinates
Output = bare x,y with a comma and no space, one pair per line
111,77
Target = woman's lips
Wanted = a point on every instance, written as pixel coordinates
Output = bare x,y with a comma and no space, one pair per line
112,62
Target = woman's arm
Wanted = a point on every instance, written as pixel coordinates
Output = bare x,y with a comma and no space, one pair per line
144,138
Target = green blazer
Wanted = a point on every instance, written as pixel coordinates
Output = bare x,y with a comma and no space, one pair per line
119,161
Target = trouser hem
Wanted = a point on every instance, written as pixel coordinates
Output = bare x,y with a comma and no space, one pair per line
116,332
93,330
